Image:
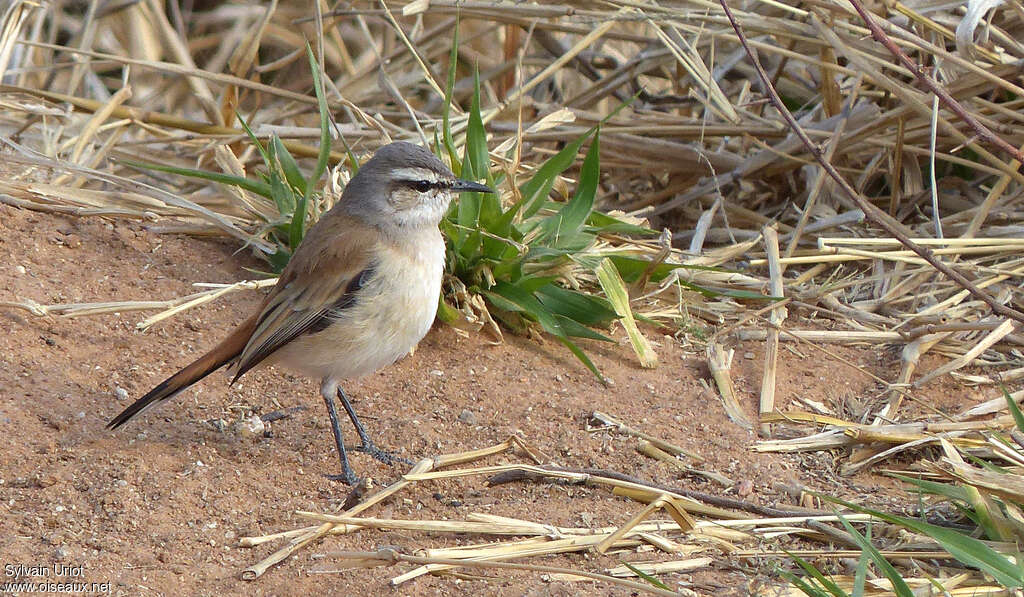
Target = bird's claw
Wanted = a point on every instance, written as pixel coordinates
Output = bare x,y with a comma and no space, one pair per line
347,477
382,455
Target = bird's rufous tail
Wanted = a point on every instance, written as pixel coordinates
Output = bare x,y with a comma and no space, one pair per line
222,354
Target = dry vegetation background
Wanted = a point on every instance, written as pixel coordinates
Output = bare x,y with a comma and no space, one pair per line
926,135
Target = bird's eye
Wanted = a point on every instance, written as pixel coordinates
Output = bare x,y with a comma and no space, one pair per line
421,186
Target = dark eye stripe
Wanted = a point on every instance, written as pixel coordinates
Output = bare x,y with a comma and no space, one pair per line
421,186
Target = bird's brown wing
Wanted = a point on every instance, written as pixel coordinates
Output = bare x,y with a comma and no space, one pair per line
322,278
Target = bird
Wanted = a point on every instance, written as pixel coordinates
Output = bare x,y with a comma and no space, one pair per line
360,291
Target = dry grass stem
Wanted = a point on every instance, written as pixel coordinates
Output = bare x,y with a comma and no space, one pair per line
605,420
777,316
720,363
385,557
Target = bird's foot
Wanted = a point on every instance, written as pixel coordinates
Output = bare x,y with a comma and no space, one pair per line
382,455
347,477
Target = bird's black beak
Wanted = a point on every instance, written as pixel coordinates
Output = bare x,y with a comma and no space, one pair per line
465,186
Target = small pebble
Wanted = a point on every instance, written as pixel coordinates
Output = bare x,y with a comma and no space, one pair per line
121,393
60,553
437,373
748,355
251,427
20,269
467,416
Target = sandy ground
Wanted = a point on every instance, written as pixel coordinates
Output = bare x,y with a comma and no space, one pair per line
157,508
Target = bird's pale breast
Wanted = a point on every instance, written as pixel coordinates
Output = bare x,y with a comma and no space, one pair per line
393,311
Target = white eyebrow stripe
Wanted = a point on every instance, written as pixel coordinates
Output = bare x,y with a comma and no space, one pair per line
416,174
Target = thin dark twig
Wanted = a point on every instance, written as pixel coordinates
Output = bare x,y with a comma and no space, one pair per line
877,215
283,413
516,475
834,534
944,96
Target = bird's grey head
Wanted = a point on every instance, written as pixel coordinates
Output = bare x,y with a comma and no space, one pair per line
405,186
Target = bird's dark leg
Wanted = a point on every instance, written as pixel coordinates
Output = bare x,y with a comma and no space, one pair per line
347,476
368,446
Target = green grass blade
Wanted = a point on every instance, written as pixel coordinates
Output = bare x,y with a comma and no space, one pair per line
297,229
631,268
647,577
282,195
449,91
540,254
816,574
253,186
1018,418
860,575
535,191
946,490
525,302
970,551
746,295
534,283
899,586
602,223
488,205
976,507
964,548
575,213
289,167
279,259
576,329
989,466
281,192
585,308
475,165
324,155
796,581
445,312
255,140
582,357
615,289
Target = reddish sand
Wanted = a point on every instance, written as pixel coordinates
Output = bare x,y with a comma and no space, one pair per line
158,507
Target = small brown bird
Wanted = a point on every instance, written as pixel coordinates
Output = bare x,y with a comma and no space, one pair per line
358,294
